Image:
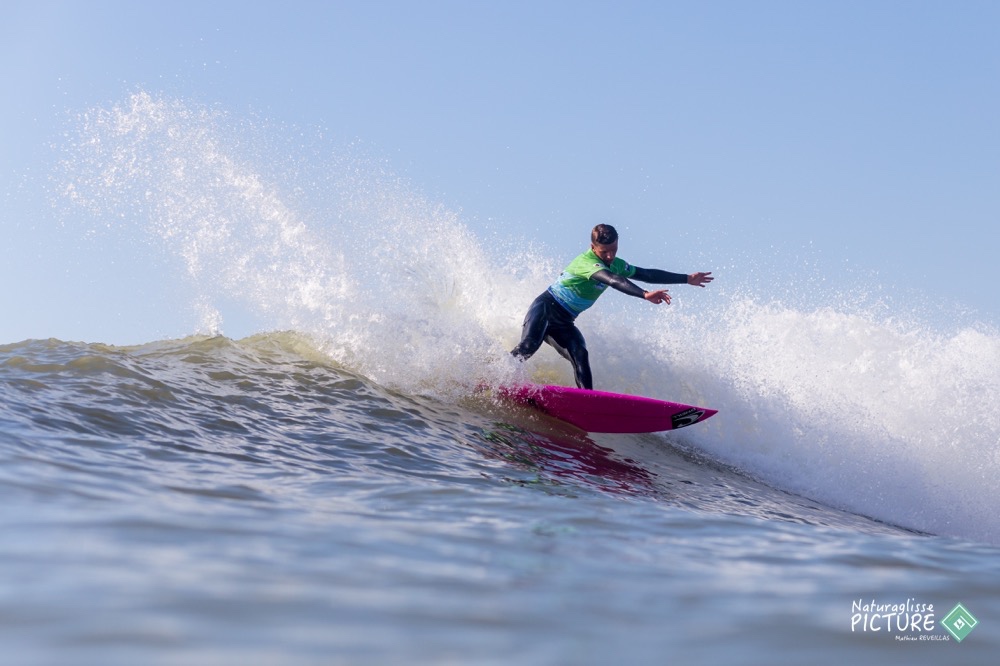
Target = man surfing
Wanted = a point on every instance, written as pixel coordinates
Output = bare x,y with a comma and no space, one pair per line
552,316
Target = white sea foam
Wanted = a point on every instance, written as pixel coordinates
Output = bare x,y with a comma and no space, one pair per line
859,412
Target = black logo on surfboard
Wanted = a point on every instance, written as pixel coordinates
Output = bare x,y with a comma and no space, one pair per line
686,418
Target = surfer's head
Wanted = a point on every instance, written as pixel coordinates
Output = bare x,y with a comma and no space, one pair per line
604,234
604,242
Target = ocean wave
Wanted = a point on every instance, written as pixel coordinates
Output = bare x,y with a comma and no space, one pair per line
860,410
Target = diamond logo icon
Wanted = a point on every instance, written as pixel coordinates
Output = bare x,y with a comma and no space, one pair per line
959,622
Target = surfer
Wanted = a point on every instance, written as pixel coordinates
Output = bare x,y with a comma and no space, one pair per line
551,317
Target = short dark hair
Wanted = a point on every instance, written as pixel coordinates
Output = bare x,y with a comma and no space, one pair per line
603,234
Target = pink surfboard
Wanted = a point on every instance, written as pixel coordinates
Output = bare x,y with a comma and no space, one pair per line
600,411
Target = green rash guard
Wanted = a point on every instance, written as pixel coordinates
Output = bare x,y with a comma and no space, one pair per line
575,291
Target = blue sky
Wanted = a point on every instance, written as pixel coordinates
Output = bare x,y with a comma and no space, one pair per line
857,141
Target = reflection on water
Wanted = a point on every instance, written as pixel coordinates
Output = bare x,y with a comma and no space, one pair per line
565,459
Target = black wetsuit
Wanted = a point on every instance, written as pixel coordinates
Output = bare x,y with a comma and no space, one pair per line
549,321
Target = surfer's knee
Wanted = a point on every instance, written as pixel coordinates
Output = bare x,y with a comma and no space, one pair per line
520,354
578,353
529,344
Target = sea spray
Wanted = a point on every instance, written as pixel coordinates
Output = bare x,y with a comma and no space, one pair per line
860,412
392,285
159,167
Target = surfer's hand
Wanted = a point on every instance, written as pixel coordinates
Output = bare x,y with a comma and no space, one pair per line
657,297
700,279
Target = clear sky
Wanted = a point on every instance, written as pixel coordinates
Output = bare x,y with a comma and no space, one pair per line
860,138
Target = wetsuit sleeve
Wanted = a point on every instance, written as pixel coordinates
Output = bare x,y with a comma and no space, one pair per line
656,276
620,283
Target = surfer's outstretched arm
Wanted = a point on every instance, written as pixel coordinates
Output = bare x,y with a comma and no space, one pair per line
626,286
656,276
622,284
